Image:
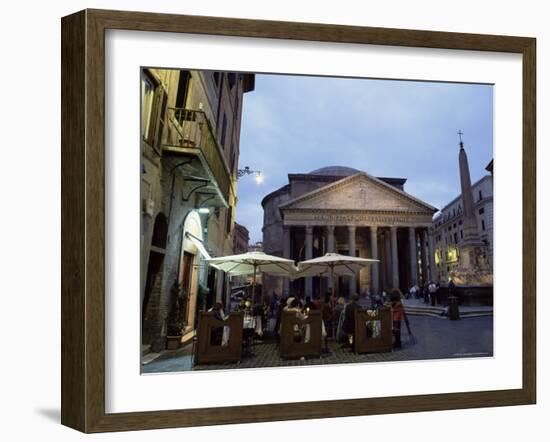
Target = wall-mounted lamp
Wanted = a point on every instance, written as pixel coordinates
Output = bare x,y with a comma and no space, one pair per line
247,171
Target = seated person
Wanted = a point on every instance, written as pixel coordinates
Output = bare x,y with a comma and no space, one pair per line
217,332
293,305
309,304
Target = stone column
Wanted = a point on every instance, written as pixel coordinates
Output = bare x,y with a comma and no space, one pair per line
413,257
309,255
382,265
330,239
388,264
286,254
374,255
351,242
431,260
330,249
394,262
423,257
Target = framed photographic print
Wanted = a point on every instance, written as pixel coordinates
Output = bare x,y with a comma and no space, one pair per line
270,220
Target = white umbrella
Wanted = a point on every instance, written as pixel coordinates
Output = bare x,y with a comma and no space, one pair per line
332,264
253,262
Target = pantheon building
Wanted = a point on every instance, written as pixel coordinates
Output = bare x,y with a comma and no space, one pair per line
345,210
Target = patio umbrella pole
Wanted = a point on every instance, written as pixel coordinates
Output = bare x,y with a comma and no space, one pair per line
254,284
332,281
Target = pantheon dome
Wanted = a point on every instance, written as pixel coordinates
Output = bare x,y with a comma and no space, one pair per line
335,171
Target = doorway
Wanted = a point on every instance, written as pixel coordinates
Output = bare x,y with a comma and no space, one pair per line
151,323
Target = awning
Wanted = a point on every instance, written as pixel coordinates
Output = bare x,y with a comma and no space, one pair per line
199,244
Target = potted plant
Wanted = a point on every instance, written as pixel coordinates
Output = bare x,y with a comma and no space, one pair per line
173,337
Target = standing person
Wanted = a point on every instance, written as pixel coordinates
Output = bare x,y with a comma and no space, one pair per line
425,294
398,315
433,293
337,317
451,287
349,318
327,315
280,307
273,304
412,291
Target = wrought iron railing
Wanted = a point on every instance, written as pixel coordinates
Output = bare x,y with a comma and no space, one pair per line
191,129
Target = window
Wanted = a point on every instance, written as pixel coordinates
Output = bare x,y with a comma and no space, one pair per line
482,211
480,195
460,222
461,234
228,220
153,99
183,87
482,224
455,237
148,87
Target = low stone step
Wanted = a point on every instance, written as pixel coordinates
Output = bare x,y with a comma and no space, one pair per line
148,358
145,348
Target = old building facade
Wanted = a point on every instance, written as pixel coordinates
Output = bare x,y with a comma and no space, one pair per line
189,154
241,238
344,210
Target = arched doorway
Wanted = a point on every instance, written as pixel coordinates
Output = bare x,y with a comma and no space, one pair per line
150,320
188,275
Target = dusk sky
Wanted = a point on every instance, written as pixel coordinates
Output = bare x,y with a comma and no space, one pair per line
387,128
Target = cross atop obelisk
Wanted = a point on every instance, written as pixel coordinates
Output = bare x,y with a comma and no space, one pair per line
460,133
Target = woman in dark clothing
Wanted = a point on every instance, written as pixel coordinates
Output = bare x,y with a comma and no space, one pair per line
280,308
349,318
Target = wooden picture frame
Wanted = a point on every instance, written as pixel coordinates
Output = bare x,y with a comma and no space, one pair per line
83,220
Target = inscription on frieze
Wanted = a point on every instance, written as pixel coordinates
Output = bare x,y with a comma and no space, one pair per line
318,218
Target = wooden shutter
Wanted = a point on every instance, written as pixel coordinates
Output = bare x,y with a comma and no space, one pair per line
162,116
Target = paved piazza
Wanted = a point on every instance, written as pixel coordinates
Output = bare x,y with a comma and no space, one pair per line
434,338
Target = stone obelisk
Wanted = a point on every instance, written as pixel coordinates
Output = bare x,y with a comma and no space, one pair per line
469,222
473,267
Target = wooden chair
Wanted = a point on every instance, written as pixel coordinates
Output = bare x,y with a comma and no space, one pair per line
293,331
364,341
209,348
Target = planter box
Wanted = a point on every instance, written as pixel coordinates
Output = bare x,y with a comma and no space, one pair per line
173,342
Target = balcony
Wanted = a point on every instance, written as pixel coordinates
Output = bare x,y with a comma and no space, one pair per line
189,133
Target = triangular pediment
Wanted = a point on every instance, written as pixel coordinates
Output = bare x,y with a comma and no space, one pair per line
359,192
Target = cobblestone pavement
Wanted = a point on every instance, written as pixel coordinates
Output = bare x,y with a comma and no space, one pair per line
434,338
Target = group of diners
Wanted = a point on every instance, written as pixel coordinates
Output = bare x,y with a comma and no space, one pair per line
337,313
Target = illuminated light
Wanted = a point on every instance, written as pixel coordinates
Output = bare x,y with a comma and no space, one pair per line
259,178
204,210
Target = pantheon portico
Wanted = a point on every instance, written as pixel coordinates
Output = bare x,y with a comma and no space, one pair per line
344,210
